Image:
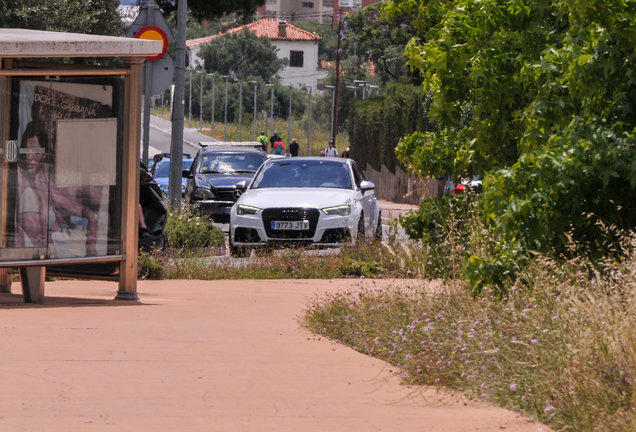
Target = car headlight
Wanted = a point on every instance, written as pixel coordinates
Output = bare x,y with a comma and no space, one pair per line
203,194
247,210
341,210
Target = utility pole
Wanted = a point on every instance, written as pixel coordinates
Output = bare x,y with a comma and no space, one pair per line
309,122
255,84
336,90
176,145
333,99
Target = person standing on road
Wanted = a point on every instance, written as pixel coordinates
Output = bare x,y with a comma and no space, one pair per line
331,151
272,140
262,139
293,147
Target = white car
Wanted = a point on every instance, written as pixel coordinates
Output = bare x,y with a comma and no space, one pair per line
308,200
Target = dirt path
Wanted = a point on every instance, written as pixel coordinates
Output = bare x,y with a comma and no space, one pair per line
201,356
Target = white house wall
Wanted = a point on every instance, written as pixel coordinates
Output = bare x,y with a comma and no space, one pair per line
309,73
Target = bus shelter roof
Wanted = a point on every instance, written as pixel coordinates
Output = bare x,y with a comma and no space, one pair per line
21,43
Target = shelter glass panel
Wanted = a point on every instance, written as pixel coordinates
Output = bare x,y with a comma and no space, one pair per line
60,177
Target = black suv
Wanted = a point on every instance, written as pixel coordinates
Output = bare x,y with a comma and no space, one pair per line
219,175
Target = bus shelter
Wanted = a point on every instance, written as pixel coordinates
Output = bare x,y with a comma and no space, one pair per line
69,167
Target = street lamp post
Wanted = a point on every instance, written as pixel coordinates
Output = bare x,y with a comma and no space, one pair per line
190,102
376,88
355,90
212,115
271,110
309,122
289,117
225,118
363,84
333,94
255,84
201,102
240,108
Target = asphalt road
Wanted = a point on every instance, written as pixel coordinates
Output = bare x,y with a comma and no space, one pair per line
160,136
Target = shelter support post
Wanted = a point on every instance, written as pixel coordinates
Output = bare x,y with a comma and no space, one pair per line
5,281
130,181
33,283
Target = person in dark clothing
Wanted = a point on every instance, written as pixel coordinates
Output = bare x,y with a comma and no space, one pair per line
275,138
293,147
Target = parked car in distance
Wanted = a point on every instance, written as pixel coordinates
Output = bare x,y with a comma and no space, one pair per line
161,173
305,200
218,176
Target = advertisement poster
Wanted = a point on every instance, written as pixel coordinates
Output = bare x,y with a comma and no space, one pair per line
69,217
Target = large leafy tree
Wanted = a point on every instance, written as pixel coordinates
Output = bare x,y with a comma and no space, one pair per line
77,16
242,54
209,9
538,96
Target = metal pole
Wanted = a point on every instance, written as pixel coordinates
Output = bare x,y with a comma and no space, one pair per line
212,115
150,10
255,84
225,122
289,118
201,103
333,94
176,144
355,90
162,104
271,113
309,122
190,102
240,109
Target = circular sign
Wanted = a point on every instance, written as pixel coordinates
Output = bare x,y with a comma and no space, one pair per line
154,33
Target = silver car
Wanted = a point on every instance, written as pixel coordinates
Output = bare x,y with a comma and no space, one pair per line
305,200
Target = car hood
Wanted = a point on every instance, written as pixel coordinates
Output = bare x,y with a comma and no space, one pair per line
296,197
222,181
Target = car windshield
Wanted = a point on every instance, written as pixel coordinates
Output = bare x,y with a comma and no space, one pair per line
231,163
303,174
163,167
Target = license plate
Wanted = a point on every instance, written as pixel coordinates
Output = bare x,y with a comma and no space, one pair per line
290,225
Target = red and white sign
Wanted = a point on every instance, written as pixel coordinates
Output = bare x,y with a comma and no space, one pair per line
154,33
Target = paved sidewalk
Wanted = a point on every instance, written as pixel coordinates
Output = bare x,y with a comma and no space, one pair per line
201,356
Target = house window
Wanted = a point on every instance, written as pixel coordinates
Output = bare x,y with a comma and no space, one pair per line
296,58
309,5
327,3
271,2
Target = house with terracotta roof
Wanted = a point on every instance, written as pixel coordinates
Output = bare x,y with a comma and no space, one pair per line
293,43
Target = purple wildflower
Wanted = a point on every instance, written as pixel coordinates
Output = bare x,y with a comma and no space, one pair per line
534,342
513,387
548,409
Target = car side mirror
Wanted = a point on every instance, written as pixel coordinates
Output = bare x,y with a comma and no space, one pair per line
366,185
157,158
186,173
241,185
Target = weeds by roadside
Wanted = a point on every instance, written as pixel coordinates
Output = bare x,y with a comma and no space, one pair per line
377,260
561,347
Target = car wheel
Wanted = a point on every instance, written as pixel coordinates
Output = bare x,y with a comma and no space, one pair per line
360,237
378,229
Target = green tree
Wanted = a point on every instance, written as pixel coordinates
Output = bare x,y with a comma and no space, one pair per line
538,97
328,45
206,9
242,54
98,17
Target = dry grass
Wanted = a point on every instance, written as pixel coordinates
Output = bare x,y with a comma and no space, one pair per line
561,347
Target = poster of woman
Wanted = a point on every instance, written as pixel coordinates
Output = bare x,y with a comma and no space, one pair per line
70,219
